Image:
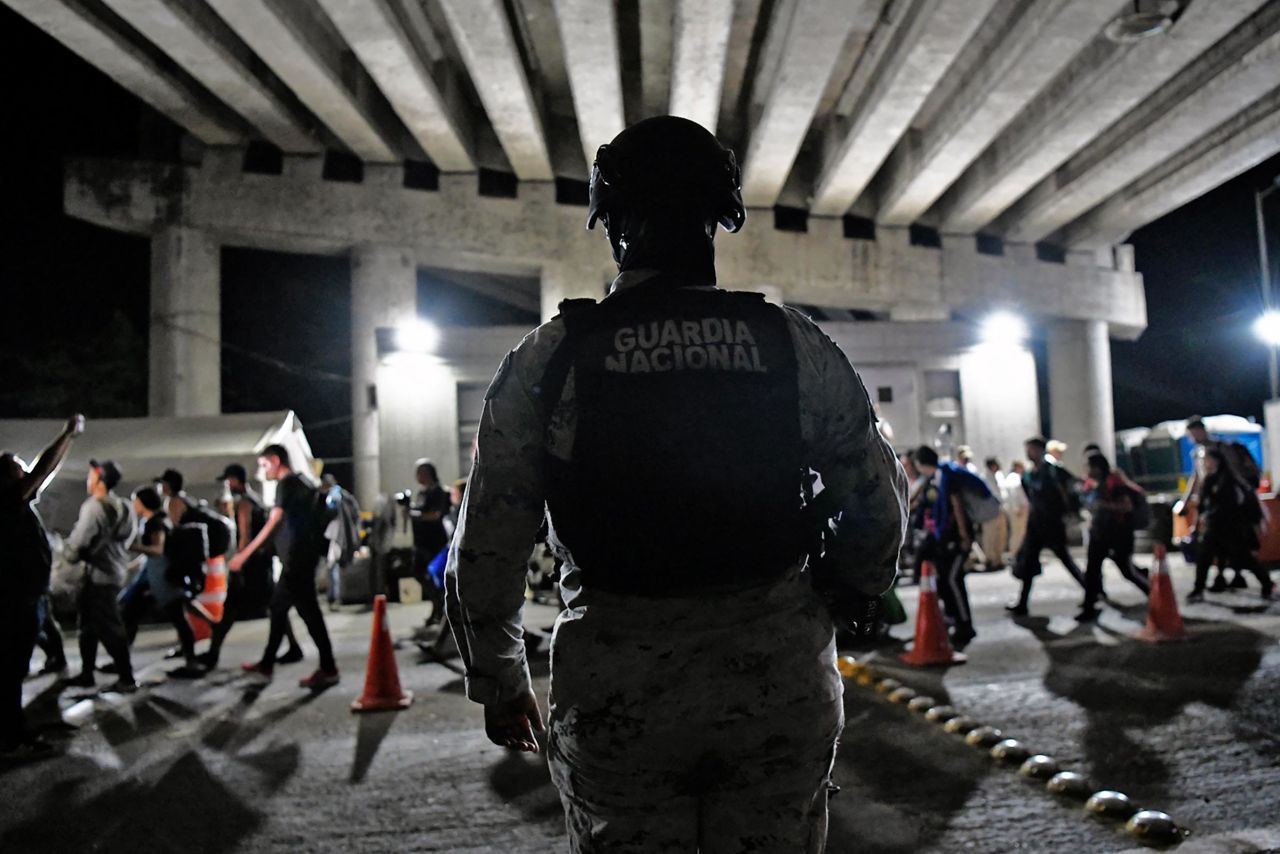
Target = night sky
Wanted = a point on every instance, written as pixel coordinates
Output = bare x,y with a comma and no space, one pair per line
76,296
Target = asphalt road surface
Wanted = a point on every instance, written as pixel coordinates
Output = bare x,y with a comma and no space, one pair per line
215,765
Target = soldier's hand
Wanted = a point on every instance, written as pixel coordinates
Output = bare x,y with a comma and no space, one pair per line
512,723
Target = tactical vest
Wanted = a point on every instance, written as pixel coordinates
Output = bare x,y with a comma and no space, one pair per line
686,465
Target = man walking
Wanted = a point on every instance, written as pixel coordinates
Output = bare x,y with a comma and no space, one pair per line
297,525
1047,487
100,539
28,563
948,537
250,516
695,704
427,515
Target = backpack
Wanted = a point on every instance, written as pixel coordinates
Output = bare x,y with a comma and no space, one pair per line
187,549
220,530
981,506
1242,463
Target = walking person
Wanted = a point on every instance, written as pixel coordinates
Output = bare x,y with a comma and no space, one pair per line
660,738
166,590
100,539
995,534
1047,486
1227,524
28,562
949,537
1111,529
427,514
250,516
297,525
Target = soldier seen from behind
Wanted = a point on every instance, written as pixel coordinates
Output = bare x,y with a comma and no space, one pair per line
670,431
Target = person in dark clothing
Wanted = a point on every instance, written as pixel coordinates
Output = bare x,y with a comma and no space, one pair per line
1046,485
28,562
168,594
949,537
298,534
100,539
1227,522
1110,532
250,516
427,515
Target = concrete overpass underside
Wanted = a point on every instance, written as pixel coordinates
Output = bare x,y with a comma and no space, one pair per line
924,160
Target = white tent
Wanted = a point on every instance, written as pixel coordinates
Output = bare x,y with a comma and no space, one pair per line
200,447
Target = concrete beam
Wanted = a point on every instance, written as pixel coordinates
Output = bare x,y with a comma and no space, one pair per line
742,28
1207,93
657,32
1034,47
84,31
702,30
1235,147
303,55
383,44
930,36
483,35
589,34
195,38
1104,83
456,228
816,31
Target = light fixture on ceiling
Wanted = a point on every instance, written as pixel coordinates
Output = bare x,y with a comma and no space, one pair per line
1147,18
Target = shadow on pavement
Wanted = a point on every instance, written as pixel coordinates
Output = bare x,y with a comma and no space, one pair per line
901,780
371,730
525,781
186,809
1133,685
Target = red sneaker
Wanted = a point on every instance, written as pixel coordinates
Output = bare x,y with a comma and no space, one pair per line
320,679
257,668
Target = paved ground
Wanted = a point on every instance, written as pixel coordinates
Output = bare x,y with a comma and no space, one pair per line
1190,728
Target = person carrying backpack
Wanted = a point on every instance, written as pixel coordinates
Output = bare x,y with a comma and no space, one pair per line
296,524
944,515
1227,524
100,539
1049,490
1115,504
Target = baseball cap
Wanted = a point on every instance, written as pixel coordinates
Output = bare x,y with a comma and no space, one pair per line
108,471
173,478
234,470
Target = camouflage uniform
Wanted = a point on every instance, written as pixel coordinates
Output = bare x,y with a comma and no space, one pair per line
675,722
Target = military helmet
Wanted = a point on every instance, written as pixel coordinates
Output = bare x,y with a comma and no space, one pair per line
667,161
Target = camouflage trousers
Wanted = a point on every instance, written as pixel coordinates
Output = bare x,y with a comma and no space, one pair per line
682,725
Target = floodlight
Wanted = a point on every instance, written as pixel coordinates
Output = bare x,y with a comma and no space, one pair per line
416,336
1004,327
1267,327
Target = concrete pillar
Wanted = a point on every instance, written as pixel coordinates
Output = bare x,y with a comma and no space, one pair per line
384,292
572,279
185,357
1080,403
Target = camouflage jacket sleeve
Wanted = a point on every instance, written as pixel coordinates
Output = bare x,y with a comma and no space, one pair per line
500,516
842,444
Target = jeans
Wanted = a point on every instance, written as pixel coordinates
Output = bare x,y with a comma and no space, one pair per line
297,589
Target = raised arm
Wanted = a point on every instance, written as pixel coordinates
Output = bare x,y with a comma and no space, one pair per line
50,458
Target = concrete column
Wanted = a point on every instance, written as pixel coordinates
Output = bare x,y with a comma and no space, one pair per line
384,292
1080,403
571,279
185,357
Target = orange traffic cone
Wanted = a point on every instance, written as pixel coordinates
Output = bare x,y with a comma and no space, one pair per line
932,645
382,689
207,609
1164,623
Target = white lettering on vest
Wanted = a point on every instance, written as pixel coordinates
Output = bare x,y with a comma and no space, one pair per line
713,343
